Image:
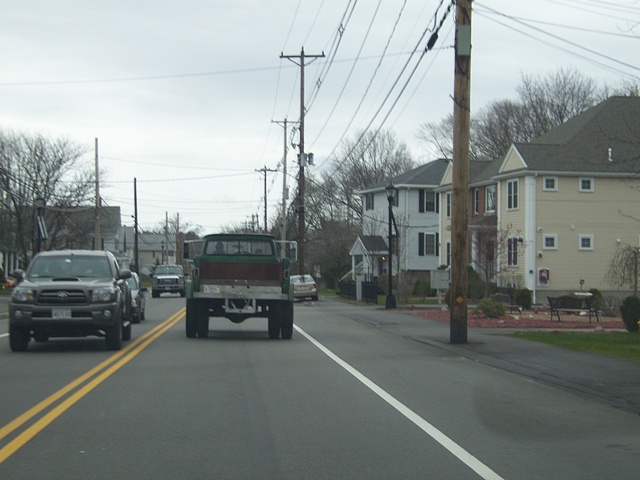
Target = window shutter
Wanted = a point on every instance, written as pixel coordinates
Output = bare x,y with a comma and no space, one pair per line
420,244
421,201
437,247
437,202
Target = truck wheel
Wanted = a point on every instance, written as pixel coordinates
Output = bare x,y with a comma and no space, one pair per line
287,320
113,337
183,293
203,320
192,319
155,294
18,338
275,321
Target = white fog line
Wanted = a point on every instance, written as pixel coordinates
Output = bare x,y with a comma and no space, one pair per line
472,462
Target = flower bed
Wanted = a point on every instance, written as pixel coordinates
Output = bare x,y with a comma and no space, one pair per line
527,320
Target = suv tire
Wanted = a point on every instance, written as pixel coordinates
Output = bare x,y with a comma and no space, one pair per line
18,339
113,337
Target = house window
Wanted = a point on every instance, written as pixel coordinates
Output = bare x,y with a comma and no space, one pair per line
448,204
586,184
550,241
512,252
550,184
368,201
429,201
476,201
490,200
428,244
512,195
585,242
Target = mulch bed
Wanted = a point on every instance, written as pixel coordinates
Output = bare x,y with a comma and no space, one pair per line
527,320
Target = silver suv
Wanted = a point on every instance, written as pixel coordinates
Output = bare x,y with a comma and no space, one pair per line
70,293
168,279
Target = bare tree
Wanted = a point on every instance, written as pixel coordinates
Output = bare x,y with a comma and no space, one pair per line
623,268
542,104
438,137
554,99
40,173
364,162
498,126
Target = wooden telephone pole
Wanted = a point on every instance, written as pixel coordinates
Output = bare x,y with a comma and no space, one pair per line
460,195
301,157
264,170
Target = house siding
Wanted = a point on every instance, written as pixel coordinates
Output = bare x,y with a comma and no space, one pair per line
600,213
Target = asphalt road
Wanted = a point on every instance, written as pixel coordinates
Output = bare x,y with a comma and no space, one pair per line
356,394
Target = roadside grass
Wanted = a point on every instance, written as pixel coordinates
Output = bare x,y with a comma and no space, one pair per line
613,344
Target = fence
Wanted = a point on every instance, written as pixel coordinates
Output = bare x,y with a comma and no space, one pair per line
348,289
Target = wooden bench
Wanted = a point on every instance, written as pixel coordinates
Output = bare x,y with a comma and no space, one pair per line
506,301
572,304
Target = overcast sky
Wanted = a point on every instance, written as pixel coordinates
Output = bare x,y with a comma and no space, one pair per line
182,94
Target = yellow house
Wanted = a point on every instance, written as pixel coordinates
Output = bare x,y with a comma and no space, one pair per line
551,215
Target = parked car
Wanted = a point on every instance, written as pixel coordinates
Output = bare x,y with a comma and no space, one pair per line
70,293
304,286
168,279
138,298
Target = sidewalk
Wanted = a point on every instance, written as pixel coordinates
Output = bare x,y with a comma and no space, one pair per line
614,381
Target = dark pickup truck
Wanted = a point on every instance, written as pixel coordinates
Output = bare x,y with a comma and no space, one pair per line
70,293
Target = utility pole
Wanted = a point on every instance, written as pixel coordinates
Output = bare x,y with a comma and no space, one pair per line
301,156
264,170
178,243
165,250
283,233
460,196
135,225
98,235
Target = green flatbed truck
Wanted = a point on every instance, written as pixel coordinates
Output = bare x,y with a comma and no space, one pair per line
239,276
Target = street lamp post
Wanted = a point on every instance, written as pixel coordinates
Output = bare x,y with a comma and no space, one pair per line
391,195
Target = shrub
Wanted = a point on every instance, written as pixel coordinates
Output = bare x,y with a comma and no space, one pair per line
630,311
491,308
597,299
524,298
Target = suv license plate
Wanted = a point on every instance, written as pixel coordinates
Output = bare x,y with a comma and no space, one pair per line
61,313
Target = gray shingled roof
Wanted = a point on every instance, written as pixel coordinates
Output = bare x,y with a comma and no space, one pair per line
603,140
428,175
374,243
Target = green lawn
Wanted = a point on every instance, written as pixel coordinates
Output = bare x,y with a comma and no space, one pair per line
615,344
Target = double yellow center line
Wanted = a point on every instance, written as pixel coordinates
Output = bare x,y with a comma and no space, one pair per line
91,380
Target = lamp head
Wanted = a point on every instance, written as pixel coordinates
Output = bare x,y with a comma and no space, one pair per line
391,191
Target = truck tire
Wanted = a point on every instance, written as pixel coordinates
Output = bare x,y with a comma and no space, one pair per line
18,338
113,336
192,319
203,320
286,326
275,321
